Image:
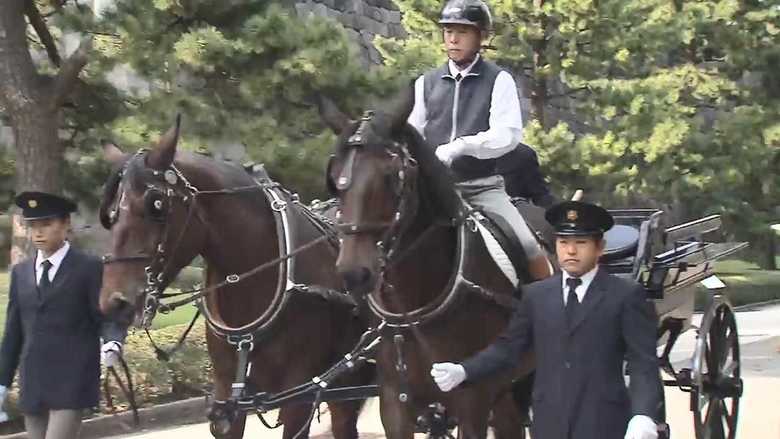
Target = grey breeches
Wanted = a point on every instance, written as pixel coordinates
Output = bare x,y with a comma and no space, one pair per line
54,424
489,194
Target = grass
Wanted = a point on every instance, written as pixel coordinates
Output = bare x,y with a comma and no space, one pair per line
746,282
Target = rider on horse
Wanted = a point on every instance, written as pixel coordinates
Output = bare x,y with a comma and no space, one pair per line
469,109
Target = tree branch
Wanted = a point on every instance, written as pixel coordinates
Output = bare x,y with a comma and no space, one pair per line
569,93
39,24
69,72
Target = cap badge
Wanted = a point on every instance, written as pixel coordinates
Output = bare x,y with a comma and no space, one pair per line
571,215
32,203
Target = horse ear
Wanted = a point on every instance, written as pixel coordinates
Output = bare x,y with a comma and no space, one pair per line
161,156
331,115
112,154
402,106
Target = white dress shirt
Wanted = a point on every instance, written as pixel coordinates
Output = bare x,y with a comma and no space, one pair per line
506,119
586,279
55,259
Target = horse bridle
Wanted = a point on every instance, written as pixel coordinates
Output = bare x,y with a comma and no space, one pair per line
407,178
170,185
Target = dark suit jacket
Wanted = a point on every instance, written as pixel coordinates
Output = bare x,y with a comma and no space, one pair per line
53,336
524,178
579,391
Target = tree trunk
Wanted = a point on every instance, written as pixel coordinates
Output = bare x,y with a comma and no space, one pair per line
539,81
32,103
768,258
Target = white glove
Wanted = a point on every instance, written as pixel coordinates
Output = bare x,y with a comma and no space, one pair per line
450,151
448,375
110,353
641,427
3,394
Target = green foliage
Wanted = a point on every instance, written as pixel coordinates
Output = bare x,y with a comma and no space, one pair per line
643,103
240,73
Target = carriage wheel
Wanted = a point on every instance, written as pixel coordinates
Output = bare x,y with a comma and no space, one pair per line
717,385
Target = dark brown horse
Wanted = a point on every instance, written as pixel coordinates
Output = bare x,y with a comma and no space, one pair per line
165,207
413,252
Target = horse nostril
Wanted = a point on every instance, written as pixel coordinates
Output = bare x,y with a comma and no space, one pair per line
356,277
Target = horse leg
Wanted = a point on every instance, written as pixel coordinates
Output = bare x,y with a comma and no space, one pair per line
225,424
472,413
511,411
397,419
296,420
507,421
344,418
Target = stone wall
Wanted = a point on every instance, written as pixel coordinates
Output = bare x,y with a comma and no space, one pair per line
363,19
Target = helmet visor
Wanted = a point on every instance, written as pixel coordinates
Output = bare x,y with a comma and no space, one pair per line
472,15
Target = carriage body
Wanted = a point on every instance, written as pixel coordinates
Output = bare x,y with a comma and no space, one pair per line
670,263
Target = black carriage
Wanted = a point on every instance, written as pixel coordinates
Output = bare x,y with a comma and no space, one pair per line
671,263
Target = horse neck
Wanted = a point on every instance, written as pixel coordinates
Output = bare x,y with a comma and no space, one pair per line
241,235
425,270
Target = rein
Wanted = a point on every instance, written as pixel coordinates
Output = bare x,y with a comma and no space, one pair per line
128,390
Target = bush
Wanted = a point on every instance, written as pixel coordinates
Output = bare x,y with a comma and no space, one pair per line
745,283
187,374
188,278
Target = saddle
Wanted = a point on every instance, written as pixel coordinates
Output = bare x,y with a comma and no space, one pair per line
504,245
621,240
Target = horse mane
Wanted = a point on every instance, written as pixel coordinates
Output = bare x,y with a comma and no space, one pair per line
437,183
437,180
109,194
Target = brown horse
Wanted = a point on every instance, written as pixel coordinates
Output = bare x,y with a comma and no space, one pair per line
412,251
165,207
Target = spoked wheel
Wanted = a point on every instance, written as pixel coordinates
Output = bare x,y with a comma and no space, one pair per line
717,385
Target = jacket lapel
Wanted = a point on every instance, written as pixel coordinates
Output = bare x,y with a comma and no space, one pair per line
27,270
555,307
593,297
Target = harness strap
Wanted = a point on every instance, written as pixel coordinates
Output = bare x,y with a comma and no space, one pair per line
128,390
165,355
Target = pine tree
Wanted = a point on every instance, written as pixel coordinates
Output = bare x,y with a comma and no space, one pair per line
240,72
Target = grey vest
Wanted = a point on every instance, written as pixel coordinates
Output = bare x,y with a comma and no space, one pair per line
468,104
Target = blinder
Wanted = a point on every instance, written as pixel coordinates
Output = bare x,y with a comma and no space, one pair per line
156,204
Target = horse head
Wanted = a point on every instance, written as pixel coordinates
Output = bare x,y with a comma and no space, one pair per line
374,174
149,207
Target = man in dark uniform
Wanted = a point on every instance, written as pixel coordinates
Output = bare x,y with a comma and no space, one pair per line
581,324
523,176
469,110
53,327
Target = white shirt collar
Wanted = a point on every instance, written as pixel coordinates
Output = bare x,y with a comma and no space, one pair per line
454,69
55,259
586,278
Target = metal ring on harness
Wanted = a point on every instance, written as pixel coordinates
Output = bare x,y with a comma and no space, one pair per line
278,205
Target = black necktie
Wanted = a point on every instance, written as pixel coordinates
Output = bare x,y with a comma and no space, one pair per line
572,301
458,77
45,282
